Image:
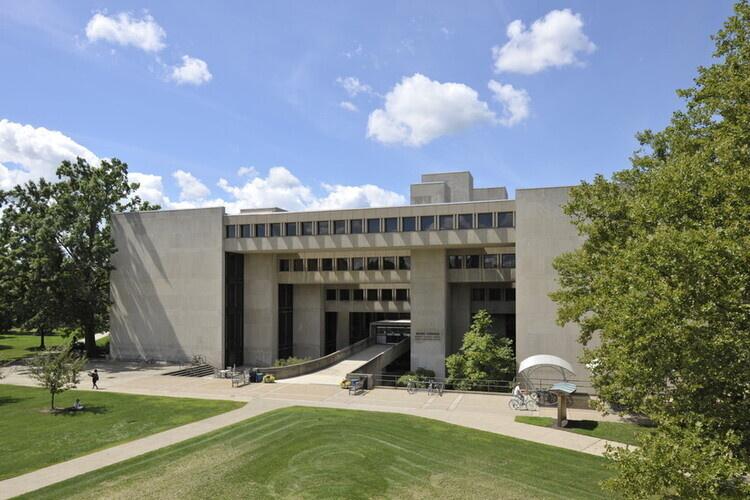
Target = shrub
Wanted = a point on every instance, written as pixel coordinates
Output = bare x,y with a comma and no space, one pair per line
345,384
291,360
269,379
421,375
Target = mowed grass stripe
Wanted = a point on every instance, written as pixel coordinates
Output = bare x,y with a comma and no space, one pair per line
325,453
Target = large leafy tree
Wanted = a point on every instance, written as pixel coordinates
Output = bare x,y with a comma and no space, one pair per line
60,244
663,282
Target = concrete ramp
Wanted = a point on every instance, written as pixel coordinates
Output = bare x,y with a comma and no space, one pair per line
334,374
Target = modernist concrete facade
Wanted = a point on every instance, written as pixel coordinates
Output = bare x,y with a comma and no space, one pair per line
249,288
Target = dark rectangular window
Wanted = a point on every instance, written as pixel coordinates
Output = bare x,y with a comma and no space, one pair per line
455,261
230,231
386,294
286,321
509,260
355,226
391,224
275,229
477,294
404,262
344,294
322,227
489,261
330,294
245,231
284,265
342,264
466,221
358,264
358,294
373,263
299,265
484,221
446,222
389,263
307,228
427,223
402,294
505,219
373,225
372,294
510,294
312,264
291,229
496,294
260,230
408,223
326,264
339,227
472,261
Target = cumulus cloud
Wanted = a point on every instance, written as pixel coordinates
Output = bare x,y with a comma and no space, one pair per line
151,188
514,102
247,172
418,110
192,71
353,86
190,187
349,106
124,29
28,152
552,41
367,195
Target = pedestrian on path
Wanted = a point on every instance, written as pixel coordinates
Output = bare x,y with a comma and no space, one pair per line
94,378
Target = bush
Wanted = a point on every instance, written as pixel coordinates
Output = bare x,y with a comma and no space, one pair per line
345,384
421,375
291,360
269,379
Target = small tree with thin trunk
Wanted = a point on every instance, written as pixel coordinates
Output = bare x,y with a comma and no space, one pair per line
57,370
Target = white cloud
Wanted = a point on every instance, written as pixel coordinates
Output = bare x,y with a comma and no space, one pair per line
151,188
349,106
28,152
515,102
552,41
123,29
367,195
191,188
353,86
247,172
418,110
193,71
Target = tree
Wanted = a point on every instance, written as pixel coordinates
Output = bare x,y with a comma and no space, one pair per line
663,282
61,237
57,370
483,356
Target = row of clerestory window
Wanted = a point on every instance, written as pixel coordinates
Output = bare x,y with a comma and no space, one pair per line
392,263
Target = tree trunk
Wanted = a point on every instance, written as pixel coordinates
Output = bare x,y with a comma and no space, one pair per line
41,338
90,340
52,403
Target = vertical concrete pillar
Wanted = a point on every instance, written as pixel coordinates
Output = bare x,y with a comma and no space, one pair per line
309,321
261,309
429,310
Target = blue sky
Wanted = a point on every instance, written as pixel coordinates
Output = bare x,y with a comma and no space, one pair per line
340,94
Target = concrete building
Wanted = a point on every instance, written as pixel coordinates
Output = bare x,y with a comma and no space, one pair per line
247,289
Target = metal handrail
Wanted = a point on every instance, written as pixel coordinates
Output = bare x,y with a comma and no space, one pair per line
492,386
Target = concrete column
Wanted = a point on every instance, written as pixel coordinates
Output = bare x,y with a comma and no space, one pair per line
261,309
429,310
309,321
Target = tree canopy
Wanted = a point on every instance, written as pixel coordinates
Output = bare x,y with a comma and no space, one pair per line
57,245
662,281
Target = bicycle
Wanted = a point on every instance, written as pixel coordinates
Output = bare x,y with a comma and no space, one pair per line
519,402
434,387
411,387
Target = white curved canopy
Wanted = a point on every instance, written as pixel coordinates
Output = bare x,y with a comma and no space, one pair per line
545,361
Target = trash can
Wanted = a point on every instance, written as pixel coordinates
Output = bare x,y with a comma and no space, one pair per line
259,376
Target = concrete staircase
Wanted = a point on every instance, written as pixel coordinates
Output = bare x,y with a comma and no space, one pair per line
193,371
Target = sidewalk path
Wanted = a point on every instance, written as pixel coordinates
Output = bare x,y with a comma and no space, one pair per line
485,412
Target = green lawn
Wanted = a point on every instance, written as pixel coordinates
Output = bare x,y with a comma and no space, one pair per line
326,453
32,439
16,346
621,432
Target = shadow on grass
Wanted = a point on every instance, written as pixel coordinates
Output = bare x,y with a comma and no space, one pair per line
70,412
3,347
9,400
588,425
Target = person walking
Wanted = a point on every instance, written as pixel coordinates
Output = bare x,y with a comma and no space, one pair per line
94,378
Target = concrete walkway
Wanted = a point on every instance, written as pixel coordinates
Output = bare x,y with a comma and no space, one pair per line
334,374
488,412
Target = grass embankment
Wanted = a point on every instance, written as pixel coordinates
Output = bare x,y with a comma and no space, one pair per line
327,453
33,438
621,432
22,345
